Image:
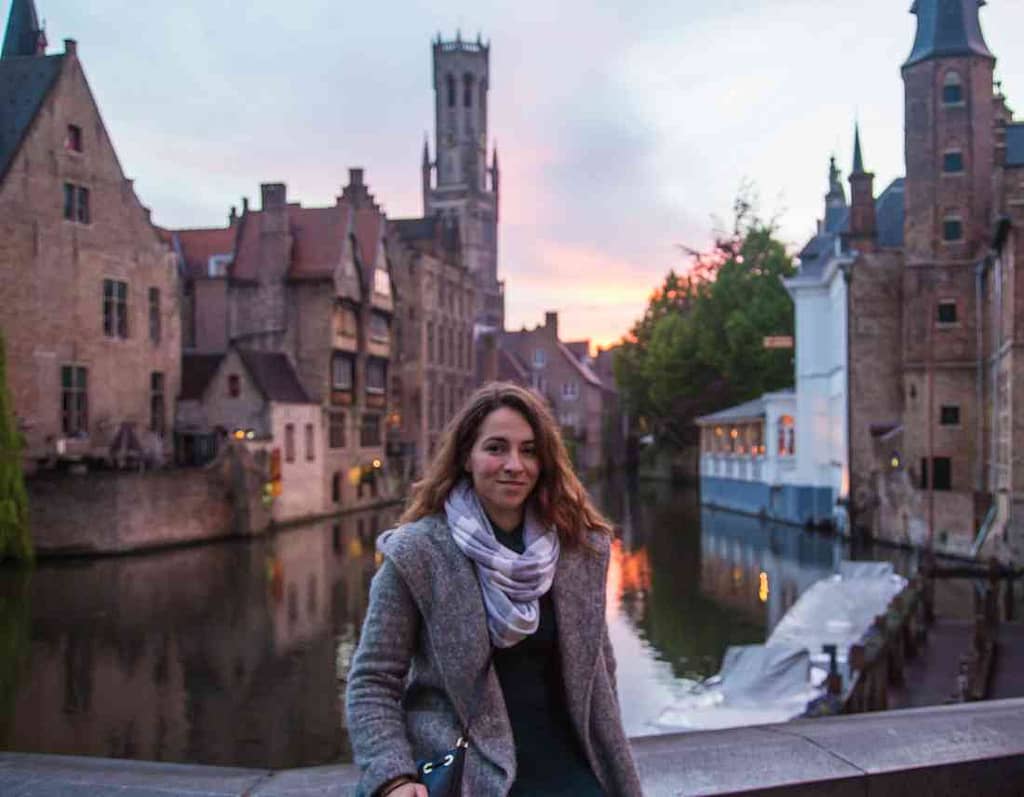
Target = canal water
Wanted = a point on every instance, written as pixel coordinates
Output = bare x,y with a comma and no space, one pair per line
232,653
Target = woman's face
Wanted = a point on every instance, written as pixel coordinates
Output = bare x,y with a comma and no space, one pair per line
504,465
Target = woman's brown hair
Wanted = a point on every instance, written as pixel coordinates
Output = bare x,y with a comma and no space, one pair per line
558,499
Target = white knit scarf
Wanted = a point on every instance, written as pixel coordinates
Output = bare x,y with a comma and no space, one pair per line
512,583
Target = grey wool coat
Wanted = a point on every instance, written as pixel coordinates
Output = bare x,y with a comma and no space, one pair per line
424,646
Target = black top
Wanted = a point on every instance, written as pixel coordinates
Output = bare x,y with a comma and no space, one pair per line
550,758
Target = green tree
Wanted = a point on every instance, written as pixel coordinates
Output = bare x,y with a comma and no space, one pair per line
700,345
15,541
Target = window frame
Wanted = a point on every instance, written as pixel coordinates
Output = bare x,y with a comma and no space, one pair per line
73,140
310,434
155,326
369,430
74,388
953,168
157,403
337,437
115,309
289,442
372,363
952,80
949,415
347,358
947,227
945,304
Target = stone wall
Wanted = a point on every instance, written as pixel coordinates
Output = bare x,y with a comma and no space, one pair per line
116,512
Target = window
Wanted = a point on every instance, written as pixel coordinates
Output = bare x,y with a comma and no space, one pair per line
952,90
946,313
369,432
540,358
949,415
336,430
786,436
952,230
234,386
73,139
953,162
115,309
74,400
570,390
943,477
381,282
336,498
379,328
310,443
289,442
450,82
341,372
430,341
345,322
376,375
154,315
157,413
76,203
467,90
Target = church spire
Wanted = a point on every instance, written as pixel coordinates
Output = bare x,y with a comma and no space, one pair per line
947,27
858,158
24,35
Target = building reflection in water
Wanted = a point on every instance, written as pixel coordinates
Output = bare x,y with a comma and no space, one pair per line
235,653
220,654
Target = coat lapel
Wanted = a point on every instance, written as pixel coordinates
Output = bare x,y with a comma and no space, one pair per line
579,598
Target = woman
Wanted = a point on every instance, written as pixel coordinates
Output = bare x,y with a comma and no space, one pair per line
501,560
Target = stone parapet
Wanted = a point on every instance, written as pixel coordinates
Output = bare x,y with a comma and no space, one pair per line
973,748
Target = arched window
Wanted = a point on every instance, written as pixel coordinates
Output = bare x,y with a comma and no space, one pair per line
952,89
467,90
450,80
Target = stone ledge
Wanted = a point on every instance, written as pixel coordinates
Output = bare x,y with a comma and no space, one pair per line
974,748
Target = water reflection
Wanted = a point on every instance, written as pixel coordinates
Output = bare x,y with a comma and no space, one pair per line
231,653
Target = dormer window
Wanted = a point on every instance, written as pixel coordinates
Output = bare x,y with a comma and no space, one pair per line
540,358
953,162
381,282
952,90
73,139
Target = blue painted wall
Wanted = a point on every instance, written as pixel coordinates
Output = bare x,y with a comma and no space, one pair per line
788,503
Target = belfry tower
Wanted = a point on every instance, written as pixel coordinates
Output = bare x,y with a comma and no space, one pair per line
458,183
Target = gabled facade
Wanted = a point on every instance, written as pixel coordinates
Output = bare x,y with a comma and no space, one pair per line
88,290
434,346
315,285
561,373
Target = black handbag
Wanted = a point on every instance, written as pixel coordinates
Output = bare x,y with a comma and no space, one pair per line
442,775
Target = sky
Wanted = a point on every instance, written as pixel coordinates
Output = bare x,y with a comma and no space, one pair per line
625,128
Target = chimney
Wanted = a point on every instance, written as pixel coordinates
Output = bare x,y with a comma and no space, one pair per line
273,195
71,47
245,205
551,323
233,217
355,176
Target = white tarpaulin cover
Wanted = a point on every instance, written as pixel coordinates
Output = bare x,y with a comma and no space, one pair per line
774,682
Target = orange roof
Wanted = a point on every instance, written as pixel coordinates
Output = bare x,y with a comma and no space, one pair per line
199,245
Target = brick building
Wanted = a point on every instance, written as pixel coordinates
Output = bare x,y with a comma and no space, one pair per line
314,285
932,306
88,290
433,371
561,372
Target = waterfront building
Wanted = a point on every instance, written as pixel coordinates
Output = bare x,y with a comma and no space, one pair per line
562,374
88,290
313,284
458,183
906,314
433,370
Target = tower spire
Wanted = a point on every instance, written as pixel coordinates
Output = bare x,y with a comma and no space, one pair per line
858,157
947,27
24,34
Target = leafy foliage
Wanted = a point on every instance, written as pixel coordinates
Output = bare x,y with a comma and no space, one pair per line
699,347
15,541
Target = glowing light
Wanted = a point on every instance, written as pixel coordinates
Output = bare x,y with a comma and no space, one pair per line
377,463
762,587
250,434
894,462
734,433
718,431
239,434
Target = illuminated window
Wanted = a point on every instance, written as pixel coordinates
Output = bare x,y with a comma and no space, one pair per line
786,436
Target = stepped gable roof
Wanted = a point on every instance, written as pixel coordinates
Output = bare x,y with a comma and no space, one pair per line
196,372
197,246
369,227
274,376
1015,144
947,28
510,367
25,81
583,369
